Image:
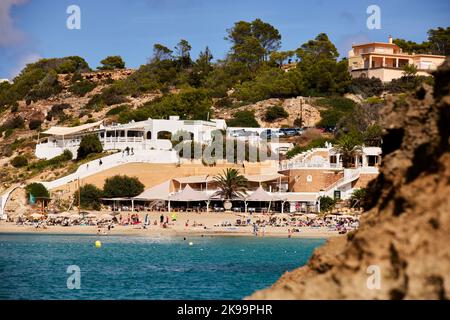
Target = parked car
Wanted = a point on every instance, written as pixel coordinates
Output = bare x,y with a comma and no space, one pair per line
289,132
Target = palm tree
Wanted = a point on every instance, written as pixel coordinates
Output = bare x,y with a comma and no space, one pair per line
231,184
358,197
348,147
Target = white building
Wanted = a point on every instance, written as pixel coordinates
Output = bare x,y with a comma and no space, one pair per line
151,134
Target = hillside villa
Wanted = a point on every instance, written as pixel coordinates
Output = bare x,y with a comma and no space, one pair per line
151,134
386,61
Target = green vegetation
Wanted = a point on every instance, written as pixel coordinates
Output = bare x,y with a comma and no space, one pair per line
15,122
89,144
190,104
271,83
326,204
335,108
122,186
35,124
323,75
19,161
57,111
275,113
358,198
231,184
89,197
37,190
348,146
244,118
55,162
39,80
117,110
438,43
315,143
111,63
82,87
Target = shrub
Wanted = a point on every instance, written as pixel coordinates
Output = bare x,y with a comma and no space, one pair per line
89,144
122,186
112,62
57,110
326,204
82,87
298,122
367,87
274,113
37,190
333,109
14,123
47,87
53,162
116,110
243,119
90,197
35,124
316,143
8,133
19,162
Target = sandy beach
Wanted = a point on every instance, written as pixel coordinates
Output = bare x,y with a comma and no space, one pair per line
210,225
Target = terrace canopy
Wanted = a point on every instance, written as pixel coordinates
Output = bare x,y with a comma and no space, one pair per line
65,131
195,179
264,177
158,192
260,195
188,195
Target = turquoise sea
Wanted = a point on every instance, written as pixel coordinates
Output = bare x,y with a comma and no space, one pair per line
136,267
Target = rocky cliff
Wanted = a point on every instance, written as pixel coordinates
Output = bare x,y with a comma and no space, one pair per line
402,250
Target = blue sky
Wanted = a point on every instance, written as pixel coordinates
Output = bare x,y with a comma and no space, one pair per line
30,29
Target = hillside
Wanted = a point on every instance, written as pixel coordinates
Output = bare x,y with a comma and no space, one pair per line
406,229
247,88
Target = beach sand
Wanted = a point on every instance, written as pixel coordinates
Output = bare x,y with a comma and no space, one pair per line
176,228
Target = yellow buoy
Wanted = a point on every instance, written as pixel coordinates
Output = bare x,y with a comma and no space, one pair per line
98,244
191,243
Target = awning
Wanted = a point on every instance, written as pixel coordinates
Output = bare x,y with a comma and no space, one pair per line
261,195
195,179
189,194
264,177
116,199
64,131
158,192
298,196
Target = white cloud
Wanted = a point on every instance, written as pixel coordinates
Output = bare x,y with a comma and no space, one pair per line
23,61
9,34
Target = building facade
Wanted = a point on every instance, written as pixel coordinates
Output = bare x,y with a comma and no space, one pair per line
151,134
386,61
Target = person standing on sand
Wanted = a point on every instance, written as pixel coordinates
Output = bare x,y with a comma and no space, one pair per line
289,233
161,219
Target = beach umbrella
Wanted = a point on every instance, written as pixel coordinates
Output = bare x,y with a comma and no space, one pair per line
63,215
36,215
311,215
260,216
52,216
281,215
91,215
75,216
106,217
242,215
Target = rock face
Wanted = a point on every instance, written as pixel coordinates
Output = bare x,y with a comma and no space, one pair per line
404,239
295,107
